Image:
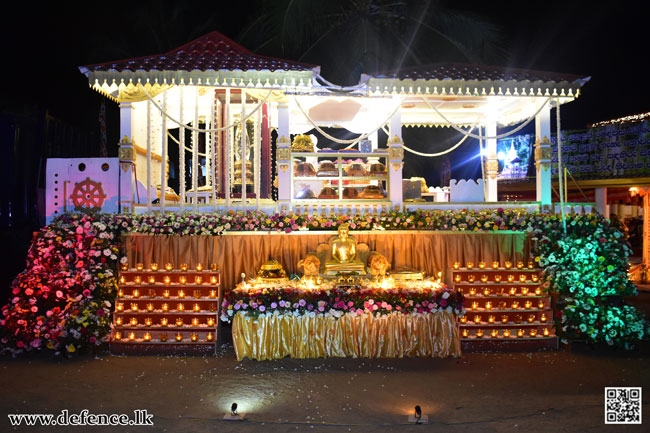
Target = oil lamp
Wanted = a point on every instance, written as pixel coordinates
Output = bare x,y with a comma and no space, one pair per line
139,266
120,292
137,279
180,306
209,337
119,306
518,318
538,291
199,267
214,267
513,291
522,278
164,321
474,305
488,305
520,265
479,333
181,293
511,278
125,266
456,265
465,333
520,332
150,307
540,304
542,317
546,332
147,336
213,293
163,336
533,332
134,307
471,278
531,318
524,290
134,321
131,336
503,305
211,321
213,307
497,278
179,321
198,280
197,294
119,321
531,265
469,265
213,279
183,267
122,279
457,278
484,278
118,335
154,266
169,266
472,291
166,294
167,280
152,279
195,322
481,265
495,265
182,279
196,307
148,321
486,291
194,336
507,265
135,293
528,304
535,278
504,318
477,318
515,305
179,337
506,333
494,333
461,319
165,307
491,319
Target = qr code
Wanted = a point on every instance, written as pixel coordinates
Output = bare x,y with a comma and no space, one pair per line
622,405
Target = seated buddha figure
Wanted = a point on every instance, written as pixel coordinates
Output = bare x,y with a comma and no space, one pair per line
343,254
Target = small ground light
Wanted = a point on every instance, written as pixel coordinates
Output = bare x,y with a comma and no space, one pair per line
417,416
234,415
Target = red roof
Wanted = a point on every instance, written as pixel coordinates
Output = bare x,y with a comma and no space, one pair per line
468,72
213,51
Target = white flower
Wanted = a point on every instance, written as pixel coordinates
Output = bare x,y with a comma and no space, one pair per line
445,295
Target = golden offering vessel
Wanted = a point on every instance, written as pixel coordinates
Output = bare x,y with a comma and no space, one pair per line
272,272
407,274
302,143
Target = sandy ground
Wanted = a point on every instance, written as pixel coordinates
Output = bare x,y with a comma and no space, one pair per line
491,392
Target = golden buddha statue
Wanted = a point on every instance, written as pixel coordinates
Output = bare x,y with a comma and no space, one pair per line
343,254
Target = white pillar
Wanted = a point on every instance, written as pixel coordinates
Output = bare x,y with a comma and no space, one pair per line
283,155
126,120
244,135
228,151
492,164
163,154
543,157
374,140
395,160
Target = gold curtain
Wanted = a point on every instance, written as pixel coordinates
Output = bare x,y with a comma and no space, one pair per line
236,253
366,336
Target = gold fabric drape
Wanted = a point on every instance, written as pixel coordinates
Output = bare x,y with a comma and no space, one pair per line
237,253
366,336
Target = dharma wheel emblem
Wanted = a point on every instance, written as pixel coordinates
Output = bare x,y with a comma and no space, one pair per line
87,194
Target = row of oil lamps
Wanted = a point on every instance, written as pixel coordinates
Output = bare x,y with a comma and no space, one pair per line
497,278
166,280
495,265
135,293
505,318
119,306
131,336
168,267
164,321
501,291
503,305
494,333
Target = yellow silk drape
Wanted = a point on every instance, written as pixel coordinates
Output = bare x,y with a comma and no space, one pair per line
366,336
237,253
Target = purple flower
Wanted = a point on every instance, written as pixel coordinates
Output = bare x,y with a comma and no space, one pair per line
262,308
274,305
302,302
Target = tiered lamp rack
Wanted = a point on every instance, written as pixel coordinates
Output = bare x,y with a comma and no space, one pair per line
506,305
166,310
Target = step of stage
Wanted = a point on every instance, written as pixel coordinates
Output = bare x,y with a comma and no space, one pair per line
166,311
